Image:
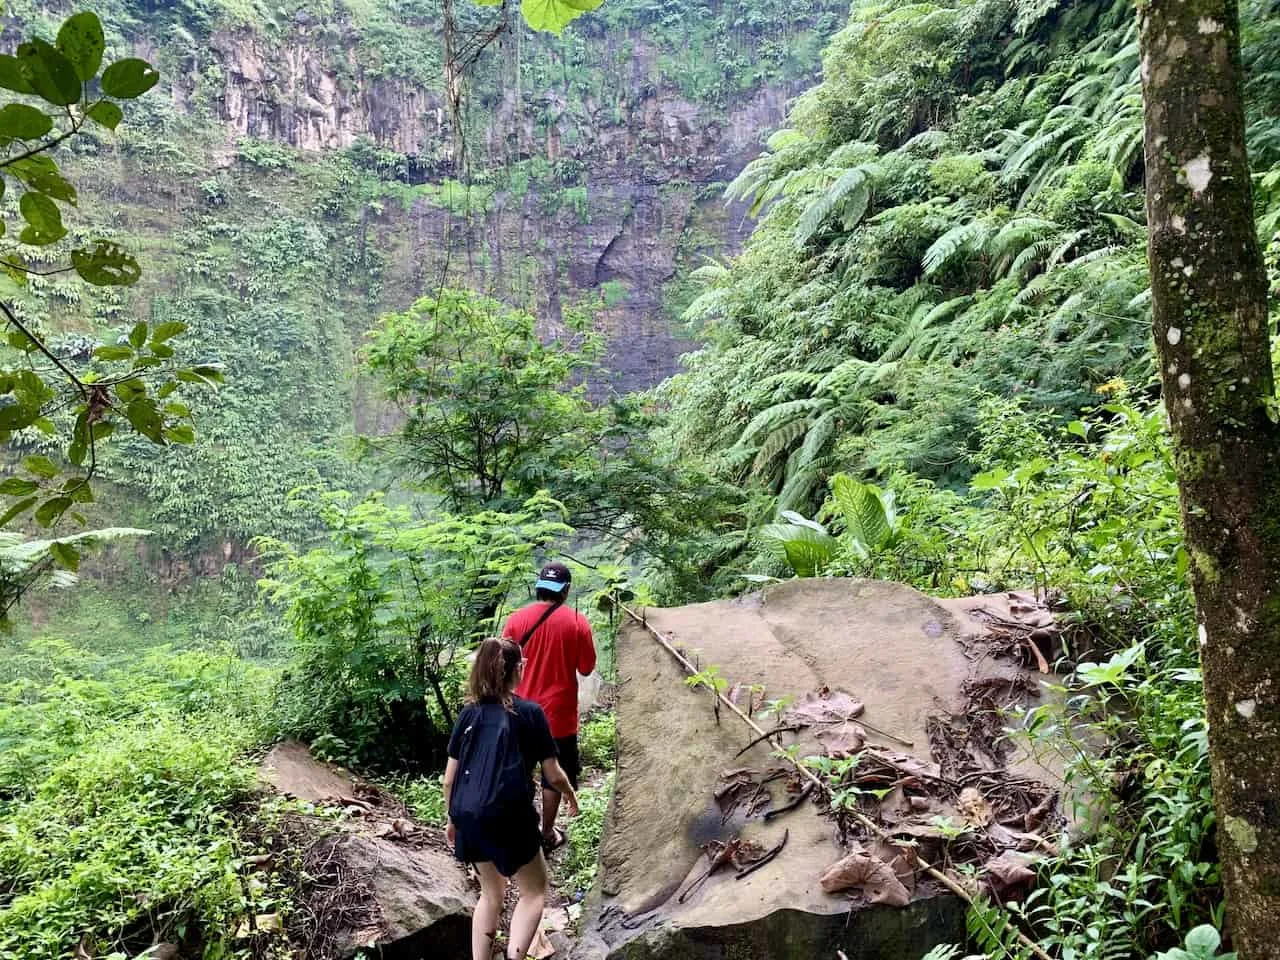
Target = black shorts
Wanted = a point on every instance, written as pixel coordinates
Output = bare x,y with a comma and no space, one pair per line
507,842
567,754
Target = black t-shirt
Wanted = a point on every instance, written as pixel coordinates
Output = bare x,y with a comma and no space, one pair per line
532,730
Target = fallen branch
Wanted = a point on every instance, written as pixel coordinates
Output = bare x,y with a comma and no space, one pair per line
809,775
759,862
788,728
791,804
721,859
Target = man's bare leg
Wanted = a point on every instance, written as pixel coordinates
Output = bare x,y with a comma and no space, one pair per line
550,807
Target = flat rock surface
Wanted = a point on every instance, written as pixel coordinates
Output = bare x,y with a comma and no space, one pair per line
887,645
291,770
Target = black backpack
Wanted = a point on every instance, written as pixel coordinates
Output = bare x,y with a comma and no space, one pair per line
492,782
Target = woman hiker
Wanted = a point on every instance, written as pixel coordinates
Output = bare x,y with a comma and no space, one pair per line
488,790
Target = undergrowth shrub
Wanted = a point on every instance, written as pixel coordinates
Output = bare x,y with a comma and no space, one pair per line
582,862
118,803
598,741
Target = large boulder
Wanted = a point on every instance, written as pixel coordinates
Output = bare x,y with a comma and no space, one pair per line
375,882
889,646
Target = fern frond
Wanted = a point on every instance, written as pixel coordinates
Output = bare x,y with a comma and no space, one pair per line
965,237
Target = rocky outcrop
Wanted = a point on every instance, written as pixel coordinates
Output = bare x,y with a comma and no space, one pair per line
377,883
886,646
644,203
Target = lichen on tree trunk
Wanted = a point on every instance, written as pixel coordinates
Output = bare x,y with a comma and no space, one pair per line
1210,323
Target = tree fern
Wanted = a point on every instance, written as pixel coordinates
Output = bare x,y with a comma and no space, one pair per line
963,238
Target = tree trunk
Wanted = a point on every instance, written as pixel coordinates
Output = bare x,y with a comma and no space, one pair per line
1209,307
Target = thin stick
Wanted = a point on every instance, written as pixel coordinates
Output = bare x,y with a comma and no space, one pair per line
789,728
809,775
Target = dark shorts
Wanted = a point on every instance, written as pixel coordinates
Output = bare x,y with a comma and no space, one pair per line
567,754
507,843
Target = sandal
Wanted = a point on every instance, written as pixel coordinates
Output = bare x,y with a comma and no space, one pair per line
554,842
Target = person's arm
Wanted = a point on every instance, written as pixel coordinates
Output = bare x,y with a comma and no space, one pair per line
555,775
586,647
450,774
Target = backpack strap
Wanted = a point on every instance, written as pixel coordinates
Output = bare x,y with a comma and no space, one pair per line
546,615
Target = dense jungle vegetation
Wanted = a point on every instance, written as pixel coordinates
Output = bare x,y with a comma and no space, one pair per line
931,363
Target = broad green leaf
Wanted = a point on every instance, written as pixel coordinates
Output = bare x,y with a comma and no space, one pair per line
15,416
867,517
114,352
129,78
146,420
51,75
106,265
182,433
80,40
167,331
21,122
130,390
138,335
49,512
18,487
211,371
554,15
65,556
44,220
41,174
41,466
11,75
20,341
21,507
106,114
806,550
79,490
162,350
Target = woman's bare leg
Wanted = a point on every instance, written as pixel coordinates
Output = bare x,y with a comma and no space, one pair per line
484,922
527,916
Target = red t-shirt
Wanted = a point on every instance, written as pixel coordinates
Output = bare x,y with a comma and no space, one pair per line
559,649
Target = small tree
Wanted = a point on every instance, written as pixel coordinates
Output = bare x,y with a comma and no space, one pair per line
492,412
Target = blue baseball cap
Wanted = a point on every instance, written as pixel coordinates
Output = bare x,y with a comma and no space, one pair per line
554,577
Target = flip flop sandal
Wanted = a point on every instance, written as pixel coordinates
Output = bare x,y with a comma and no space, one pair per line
557,841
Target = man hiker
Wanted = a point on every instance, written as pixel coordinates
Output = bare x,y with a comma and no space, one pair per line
557,645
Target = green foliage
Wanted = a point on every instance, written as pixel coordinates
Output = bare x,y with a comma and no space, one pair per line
489,407
581,864
954,211
382,614
70,404
1202,943
119,792
598,741
424,796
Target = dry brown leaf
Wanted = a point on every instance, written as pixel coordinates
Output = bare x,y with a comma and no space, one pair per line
842,741
84,949
1034,817
1009,875
870,874
824,708
974,807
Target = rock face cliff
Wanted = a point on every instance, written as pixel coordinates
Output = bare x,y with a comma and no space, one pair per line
632,163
